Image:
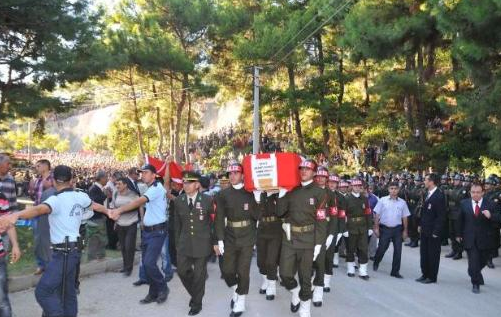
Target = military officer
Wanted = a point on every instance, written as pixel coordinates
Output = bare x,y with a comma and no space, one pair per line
342,244
445,187
236,216
416,198
359,222
194,215
455,194
305,231
492,192
269,242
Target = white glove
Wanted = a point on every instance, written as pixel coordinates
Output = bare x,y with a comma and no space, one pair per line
257,195
370,232
316,251
220,244
328,242
346,234
282,192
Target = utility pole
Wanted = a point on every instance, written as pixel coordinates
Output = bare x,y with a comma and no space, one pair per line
255,134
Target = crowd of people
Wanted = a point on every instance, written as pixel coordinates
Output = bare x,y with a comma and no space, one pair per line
303,232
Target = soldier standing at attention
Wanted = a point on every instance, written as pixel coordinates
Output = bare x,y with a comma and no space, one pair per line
455,195
269,241
305,228
359,222
236,216
194,215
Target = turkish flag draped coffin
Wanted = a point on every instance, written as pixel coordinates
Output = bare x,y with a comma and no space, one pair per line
271,171
175,171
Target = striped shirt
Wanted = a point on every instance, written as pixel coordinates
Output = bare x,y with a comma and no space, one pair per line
8,188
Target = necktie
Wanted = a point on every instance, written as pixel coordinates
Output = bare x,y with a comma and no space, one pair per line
191,203
477,209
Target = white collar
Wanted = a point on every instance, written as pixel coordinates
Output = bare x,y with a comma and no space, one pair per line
355,194
193,198
238,186
432,191
479,202
306,183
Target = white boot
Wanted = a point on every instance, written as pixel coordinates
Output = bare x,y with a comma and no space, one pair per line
239,307
304,309
327,283
363,272
234,296
336,260
295,299
271,290
264,286
318,296
350,269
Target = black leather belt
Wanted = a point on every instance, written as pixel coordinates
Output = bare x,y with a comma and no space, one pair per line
63,247
160,226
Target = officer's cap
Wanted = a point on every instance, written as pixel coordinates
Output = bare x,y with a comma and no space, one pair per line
235,167
308,163
322,171
62,174
147,167
458,177
356,182
190,176
334,178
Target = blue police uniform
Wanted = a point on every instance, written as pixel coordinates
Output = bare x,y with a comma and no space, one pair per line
68,209
153,237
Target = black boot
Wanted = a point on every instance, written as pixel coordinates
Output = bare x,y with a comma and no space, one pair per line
458,256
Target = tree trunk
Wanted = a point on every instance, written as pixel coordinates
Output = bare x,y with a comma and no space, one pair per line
420,116
179,112
188,127
324,111
294,107
137,121
161,135
366,85
171,119
340,97
408,101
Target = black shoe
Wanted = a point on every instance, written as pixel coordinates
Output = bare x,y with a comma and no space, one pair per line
194,311
476,289
414,244
408,244
397,275
375,266
294,308
351,274
317,304
450,254
139,283
122,271
148,299
365,277
429,281
421,279
234,314
490,265
162,297
270,297
262,291
327,289
458,256
335,265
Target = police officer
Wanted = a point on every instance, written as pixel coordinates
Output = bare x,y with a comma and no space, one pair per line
455,194
194,215
236,216
305,231
269,242
416,199
56,291
154,232
359,224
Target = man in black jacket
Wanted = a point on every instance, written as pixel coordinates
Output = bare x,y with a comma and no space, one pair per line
475,229
96,226
431,226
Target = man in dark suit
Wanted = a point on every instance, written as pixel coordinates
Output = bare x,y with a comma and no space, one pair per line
475,229
432,223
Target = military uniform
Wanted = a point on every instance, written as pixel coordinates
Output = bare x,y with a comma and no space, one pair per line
269,242
454,196
415,202
304,209
336,228
359,221
194,243
445,187
495,196
236,216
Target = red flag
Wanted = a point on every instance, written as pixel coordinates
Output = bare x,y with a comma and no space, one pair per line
175,171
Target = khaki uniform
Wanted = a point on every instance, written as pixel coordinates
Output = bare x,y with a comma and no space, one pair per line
304,209
269,237
337,225
236,216
359,221
194,242
454,197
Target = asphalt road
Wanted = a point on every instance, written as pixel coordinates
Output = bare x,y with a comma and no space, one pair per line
113,295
